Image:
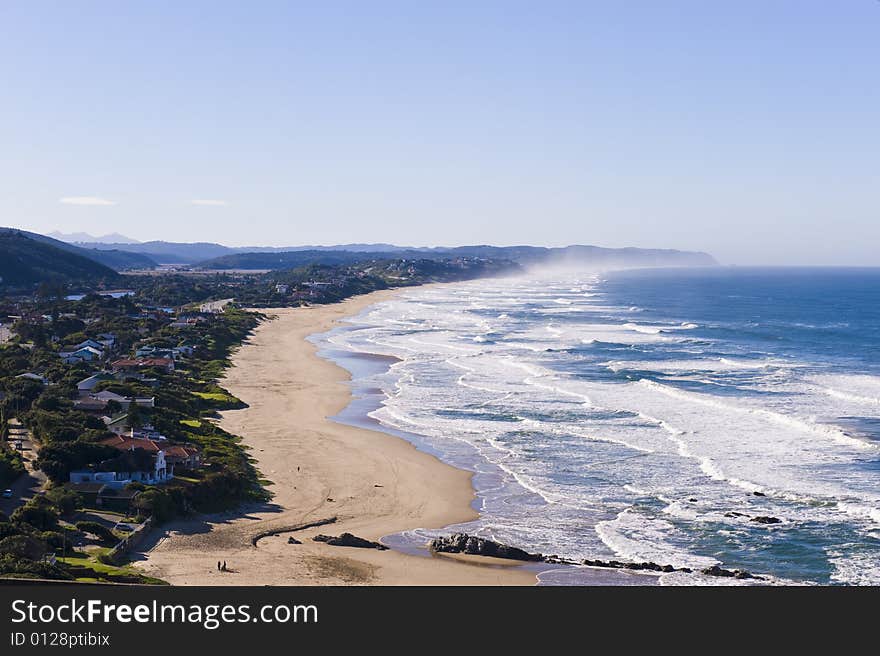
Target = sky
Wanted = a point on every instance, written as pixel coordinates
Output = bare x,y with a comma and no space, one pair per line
748,129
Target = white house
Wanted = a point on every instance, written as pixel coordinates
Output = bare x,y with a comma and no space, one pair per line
159,472
91,343
85,354
36,377
88,384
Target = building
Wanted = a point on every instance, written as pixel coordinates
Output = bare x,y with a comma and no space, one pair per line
154,352
157,474
85,354
129,366
125,401
36,377
90,343
88,384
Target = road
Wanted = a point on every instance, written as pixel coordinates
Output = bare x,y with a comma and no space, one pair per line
32,481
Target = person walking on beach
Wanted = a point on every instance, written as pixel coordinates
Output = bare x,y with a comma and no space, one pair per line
218,565
224,565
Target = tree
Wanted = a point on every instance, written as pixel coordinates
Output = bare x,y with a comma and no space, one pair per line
136,417
23,546
39,515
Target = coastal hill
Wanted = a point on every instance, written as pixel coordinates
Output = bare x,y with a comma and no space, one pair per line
118,259
217,256
25,261
522,255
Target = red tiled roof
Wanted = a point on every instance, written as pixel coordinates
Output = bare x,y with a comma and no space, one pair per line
144,362
177,451
124,443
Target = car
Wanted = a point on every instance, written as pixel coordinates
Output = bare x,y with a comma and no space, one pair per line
7,493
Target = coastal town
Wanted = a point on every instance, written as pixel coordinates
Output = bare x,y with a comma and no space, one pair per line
110,398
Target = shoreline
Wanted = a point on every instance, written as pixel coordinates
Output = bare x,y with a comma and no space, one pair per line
374,483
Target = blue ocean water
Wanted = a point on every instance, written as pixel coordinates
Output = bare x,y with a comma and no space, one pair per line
659,415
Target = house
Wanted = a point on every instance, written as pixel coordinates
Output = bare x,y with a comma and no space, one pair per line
90,343
184,456
159,471
90,404
184,350
185,320
281,289
108,340
104,495
33,376
155,475
215,307
84,354
134,366
153,352
125,401
88,384
119,425
166,456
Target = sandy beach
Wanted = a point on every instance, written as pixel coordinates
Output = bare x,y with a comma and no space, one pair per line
373,483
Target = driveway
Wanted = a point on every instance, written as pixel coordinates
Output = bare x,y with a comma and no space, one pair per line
32,481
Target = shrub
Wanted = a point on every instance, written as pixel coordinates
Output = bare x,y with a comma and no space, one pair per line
98,530
38,514
23,546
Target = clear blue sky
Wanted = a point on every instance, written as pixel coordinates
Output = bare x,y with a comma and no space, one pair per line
748,128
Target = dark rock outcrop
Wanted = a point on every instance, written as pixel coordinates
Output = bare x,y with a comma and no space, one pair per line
759,494
716,570
650,567
349,540
765,519
292,540
468,544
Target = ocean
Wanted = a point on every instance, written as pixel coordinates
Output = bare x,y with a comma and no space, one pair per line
644,415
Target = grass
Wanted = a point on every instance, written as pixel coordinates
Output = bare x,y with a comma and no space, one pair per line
94,570
216,396
186,479
192,423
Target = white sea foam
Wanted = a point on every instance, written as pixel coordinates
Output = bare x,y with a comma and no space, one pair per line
576,461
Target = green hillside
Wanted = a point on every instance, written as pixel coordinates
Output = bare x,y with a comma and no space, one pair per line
116,259
26,262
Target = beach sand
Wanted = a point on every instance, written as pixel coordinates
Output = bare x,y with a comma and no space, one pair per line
374,483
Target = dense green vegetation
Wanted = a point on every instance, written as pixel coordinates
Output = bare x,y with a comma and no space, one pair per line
24,262
69,439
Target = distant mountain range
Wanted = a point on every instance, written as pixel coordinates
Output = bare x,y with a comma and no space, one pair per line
86,238
25,261
29,257
215,256
167,252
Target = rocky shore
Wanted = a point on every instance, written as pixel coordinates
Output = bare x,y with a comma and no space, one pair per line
462,543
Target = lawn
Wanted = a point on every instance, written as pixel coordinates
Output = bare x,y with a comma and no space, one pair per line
89,568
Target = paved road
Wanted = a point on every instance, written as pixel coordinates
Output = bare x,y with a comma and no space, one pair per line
32,481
